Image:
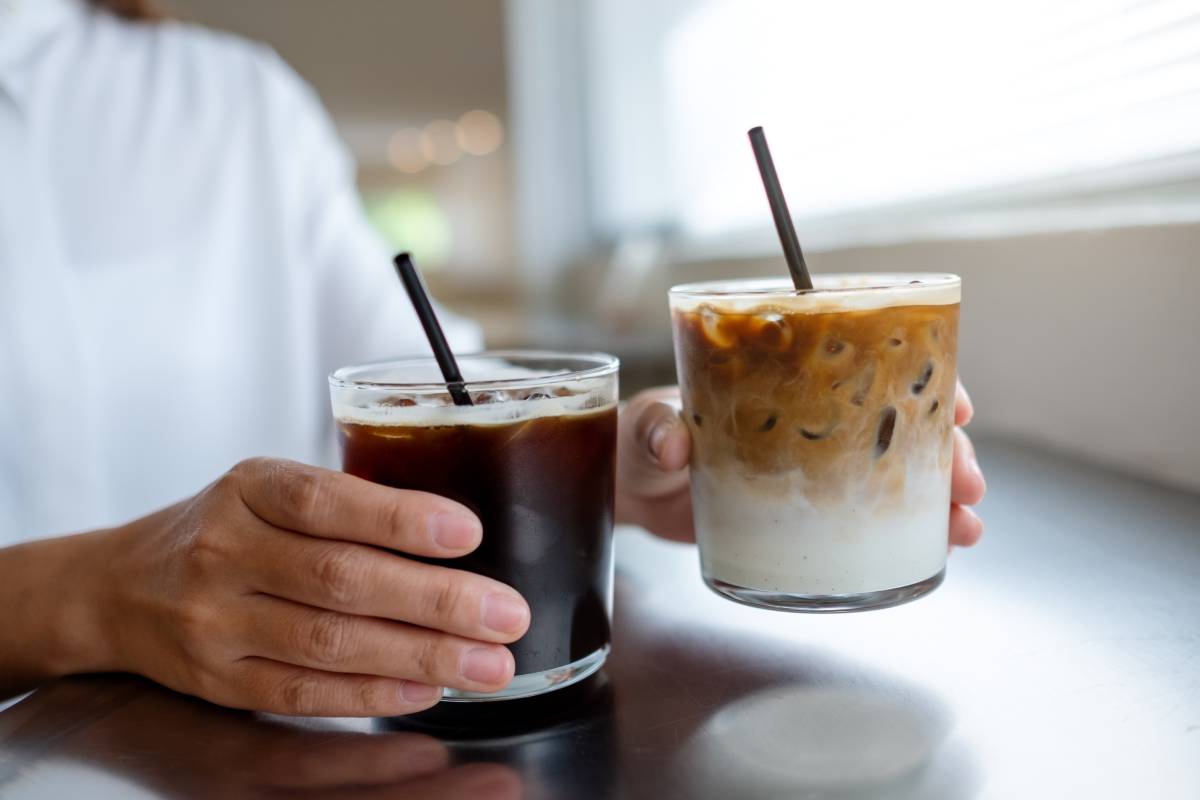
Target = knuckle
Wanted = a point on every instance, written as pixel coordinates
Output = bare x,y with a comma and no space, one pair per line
251,465
204,559
432,659
228,484
231,488
446,598
339,575
369,697
242,470
299,693
397,519
200,554
207,546
325,639
302,493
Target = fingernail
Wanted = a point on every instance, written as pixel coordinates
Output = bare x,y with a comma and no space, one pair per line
411,692
503,613
978,524
484,665
972,460
658,436
455,530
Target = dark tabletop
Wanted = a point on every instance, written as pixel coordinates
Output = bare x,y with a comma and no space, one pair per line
1061,658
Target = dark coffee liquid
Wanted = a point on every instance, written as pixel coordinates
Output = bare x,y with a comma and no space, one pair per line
544,490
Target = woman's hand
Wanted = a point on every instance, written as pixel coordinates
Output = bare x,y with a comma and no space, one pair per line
272,590
652,475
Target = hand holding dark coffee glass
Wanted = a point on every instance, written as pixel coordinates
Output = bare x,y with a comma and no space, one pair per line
285,588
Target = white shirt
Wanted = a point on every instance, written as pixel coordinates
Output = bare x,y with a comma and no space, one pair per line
183,260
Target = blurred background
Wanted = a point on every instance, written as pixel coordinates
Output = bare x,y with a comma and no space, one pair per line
557,164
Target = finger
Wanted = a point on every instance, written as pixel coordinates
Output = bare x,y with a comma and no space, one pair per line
260,684
967,485
654,445
361,580
478,781
963,410
335,505
652,429
332,642
965,526
665,440
309,760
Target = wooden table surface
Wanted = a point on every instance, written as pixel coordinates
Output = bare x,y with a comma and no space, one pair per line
1060,659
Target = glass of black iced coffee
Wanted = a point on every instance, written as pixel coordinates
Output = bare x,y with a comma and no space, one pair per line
534,457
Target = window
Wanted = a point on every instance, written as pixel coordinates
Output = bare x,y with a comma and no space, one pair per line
885,113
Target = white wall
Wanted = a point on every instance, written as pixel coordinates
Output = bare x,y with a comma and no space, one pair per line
1088,343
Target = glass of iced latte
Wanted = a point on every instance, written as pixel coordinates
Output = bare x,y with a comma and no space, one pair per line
821,423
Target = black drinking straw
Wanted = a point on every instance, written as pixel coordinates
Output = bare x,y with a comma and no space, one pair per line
433,331
779,210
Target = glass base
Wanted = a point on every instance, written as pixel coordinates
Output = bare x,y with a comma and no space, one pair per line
825,603
535,683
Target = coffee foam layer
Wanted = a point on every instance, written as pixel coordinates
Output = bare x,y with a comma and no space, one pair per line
503,412
830,294
474,369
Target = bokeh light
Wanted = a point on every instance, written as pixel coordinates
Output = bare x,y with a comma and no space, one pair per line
439,143
479,132
404,151
412,219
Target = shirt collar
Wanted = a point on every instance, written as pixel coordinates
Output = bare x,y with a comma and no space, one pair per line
24,26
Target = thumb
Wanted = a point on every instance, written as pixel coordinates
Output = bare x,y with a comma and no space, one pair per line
664,440
654,440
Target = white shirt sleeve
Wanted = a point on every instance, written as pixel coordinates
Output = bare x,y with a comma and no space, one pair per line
363,313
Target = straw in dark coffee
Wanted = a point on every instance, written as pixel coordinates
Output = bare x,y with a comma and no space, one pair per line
433,330
779,210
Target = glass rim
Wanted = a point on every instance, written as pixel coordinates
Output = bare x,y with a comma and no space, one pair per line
598,365
766,288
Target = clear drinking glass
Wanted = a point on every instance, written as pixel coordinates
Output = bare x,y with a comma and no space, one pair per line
534,457
822,426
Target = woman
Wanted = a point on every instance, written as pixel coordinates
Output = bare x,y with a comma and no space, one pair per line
182,261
